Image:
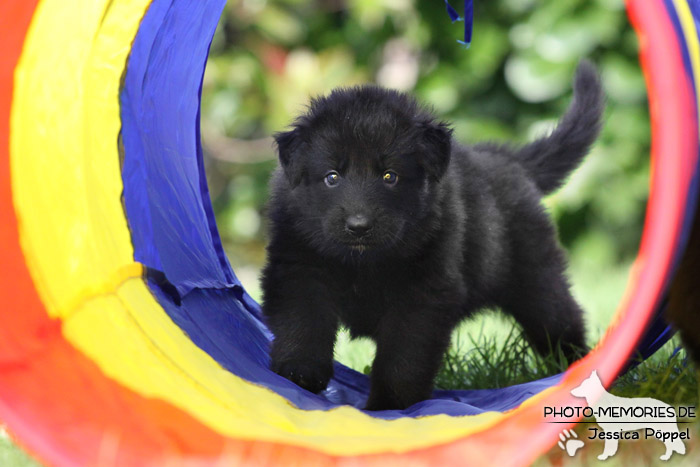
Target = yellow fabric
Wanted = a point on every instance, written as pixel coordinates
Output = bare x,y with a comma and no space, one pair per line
67,187
152,355
64,163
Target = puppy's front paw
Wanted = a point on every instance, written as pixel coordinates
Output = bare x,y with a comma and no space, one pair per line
310,375
374,404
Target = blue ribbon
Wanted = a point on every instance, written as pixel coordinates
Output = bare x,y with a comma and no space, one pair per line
468,19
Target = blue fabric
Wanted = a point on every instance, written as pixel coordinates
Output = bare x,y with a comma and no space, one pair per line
231,331
172,222
166,198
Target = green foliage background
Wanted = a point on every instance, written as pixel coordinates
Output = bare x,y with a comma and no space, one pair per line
268,57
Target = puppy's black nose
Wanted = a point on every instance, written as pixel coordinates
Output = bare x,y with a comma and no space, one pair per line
358,224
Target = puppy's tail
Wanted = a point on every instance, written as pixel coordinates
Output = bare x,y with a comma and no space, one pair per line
551,159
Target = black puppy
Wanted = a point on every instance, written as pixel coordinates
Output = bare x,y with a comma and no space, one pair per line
382,222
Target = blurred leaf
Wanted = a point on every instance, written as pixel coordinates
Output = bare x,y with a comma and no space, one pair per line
534,79
280,25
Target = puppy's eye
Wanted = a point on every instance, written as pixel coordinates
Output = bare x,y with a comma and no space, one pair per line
332,178
390,178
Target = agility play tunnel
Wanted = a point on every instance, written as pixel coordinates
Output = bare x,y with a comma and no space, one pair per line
127,339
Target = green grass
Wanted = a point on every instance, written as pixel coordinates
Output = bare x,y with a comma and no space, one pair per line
488,361
11,455
667,375
492,362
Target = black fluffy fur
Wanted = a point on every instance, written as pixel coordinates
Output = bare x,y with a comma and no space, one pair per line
462,229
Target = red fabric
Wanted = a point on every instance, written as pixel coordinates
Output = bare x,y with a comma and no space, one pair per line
53,399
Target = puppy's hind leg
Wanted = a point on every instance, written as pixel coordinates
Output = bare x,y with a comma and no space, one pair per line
540,301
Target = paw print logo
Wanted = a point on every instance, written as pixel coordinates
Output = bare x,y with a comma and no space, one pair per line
569,442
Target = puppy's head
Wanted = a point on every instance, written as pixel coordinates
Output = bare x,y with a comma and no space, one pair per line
363,166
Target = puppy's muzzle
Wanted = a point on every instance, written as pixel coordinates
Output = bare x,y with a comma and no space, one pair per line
358,225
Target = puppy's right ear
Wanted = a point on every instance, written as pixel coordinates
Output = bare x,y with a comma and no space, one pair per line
288,145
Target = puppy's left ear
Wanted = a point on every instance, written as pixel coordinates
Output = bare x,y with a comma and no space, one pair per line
437,146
